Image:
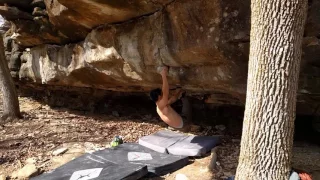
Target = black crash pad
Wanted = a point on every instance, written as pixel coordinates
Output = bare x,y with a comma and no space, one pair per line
131,153
90,166
179,144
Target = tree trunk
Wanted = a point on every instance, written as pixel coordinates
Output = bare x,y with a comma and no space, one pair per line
11,108
275,51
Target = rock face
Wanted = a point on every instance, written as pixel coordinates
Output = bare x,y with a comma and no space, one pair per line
125,56
83,15
118,45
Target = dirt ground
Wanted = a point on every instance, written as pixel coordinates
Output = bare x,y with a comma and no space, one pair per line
45,129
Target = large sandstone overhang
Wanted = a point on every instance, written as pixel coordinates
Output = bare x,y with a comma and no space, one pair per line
118,44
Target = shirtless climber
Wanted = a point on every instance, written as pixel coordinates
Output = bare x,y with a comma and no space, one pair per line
164,109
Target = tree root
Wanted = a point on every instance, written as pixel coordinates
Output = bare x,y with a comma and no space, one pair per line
5,118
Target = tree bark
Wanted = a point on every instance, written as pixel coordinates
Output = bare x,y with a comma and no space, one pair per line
277,28
11,109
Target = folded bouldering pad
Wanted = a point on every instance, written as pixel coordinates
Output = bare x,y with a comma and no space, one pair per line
90,166
179,144
132,153
161,140
193,146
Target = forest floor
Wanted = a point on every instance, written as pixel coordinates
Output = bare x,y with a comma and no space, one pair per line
43,130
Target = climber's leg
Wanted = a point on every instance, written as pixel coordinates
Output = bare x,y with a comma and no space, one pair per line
186,115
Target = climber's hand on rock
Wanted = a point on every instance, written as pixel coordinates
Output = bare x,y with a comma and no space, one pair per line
164,71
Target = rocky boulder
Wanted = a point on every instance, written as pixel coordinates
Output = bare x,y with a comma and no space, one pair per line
203,56
76,19
118,45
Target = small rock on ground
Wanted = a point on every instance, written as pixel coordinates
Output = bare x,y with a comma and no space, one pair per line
59,151
3,177
26,172
195,128
228,174
220,127
181,177
32,160
115,113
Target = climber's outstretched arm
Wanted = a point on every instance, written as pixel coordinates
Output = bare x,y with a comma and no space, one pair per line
165,84
163,102
175,96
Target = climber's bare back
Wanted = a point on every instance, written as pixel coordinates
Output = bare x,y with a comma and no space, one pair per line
169,116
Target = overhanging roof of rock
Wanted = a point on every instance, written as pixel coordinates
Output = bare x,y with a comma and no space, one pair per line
119,43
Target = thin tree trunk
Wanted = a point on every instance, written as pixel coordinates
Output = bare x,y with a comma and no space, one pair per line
11,108
275,51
